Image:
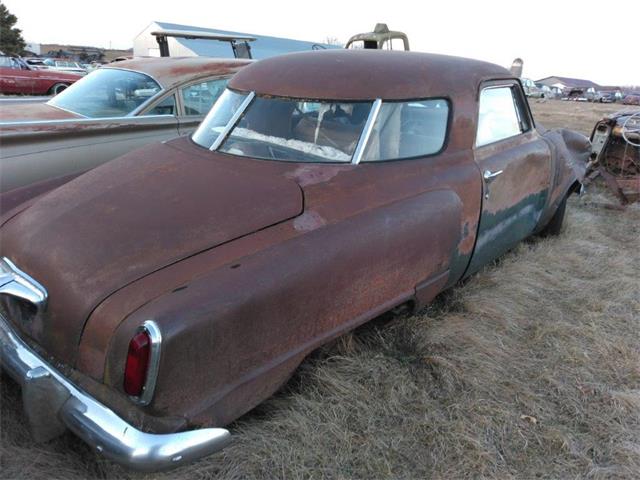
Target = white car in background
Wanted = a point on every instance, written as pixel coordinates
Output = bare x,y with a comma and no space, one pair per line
65,66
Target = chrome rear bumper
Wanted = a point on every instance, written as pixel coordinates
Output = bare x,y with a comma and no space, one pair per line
52,403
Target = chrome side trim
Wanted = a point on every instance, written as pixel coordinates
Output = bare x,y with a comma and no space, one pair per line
16,283
94,422
232,122
149,387
366,132
84,120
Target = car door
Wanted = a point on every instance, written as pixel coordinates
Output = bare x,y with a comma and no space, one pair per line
515,165
25,77
7,76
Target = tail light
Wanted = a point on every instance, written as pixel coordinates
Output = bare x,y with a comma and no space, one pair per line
135,373
143,360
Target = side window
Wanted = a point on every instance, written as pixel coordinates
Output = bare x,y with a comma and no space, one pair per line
501,115
199,97
165,107
408,129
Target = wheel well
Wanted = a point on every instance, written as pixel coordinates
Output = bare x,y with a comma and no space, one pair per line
574,188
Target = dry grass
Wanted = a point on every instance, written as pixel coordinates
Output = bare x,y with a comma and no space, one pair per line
530,369
580,116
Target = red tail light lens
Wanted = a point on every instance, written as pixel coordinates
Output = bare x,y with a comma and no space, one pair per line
135,372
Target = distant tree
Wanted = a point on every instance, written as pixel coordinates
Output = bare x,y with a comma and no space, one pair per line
11,41
333,41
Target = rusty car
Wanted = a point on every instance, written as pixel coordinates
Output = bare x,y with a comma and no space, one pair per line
152,301
615,155
107,113
19,77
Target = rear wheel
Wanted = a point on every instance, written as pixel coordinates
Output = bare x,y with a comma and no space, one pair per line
555,224
57,88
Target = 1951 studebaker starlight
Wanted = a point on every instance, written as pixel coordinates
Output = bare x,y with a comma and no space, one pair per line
150,302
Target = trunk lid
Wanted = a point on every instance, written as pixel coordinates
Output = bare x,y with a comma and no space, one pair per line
127,219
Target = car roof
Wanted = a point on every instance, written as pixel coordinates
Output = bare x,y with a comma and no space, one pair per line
172,71
365,75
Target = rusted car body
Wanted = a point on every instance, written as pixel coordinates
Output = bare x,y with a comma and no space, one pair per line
616,154
107,113
314,197
18,77
631,99
381,38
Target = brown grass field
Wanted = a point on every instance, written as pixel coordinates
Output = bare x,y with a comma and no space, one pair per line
530,369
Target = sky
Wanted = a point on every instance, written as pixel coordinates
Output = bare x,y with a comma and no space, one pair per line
570,38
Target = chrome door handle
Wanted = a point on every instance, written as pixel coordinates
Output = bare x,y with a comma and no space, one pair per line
489,176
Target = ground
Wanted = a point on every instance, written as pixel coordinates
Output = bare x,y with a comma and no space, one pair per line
579,116
529,369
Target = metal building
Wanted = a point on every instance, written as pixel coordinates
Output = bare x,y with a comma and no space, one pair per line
145,44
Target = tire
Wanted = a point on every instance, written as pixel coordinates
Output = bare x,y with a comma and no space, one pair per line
554,226
57,88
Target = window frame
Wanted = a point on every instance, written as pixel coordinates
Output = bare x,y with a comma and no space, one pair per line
520,105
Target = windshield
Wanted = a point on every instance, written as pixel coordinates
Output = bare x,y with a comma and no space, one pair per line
286,129
107,92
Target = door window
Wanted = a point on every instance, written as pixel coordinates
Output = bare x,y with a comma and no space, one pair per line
500,116
199,97
165,107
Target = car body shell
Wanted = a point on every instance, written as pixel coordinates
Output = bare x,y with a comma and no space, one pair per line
248,265
631,99
18,77
68,66
43,143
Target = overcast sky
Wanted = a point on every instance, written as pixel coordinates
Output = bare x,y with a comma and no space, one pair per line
572,38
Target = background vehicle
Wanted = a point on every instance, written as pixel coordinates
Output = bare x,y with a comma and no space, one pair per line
631,99
65,66
18,77
200,282
112,110
531,89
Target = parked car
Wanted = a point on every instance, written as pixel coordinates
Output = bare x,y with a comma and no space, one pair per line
35,62
18,77
112,110
531,89
606,97
631,99
177,287
65,66
575,94
548,92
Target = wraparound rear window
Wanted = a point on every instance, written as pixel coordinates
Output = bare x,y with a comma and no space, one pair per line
408,129
293,130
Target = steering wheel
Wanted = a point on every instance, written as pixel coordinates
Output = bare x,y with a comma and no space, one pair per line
631,129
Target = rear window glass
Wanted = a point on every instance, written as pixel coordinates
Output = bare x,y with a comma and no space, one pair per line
298,130
305,130
408,129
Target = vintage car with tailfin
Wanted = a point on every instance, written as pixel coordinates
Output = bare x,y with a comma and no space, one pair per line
150,302
111,111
